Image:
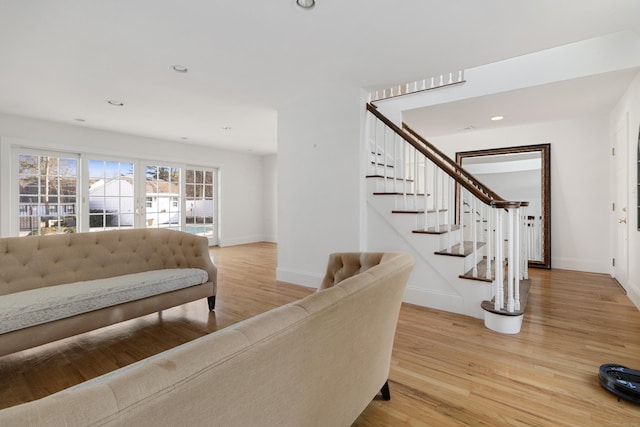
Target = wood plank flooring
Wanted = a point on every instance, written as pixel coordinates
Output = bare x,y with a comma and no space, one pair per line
447,369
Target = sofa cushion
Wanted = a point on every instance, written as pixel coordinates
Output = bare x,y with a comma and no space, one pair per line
29,308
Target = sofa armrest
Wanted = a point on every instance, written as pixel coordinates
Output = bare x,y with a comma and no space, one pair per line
346,264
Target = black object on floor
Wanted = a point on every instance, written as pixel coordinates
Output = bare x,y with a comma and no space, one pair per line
621,381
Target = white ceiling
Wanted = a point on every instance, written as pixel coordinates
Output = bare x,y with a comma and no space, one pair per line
61,60
584,97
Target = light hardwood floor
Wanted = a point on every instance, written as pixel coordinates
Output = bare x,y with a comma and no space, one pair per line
447,369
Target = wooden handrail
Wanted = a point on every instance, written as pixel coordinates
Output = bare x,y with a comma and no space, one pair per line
494,196
451,168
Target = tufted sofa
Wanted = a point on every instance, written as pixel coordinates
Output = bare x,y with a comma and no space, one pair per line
318,361
56,286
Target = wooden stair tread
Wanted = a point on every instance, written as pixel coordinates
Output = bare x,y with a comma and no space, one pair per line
389,177
482,272
440,230
455,249
525,284
382,164
396,193
419,211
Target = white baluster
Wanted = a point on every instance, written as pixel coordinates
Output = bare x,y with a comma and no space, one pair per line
461,210
460,77
426,205
516,259
450,78
474,231
415,179
450,210
499,277
526,255
489,238
436,197
510,262
441,80
433,84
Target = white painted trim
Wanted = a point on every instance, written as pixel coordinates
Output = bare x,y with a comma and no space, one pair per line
632,294
302,278
241,240
503,324
578,264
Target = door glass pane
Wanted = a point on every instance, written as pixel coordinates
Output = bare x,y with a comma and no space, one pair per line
200,202
111,199
162,187
48,190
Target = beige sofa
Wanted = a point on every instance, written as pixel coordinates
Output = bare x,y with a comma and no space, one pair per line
56,286
315,362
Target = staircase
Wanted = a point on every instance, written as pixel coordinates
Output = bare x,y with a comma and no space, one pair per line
469,243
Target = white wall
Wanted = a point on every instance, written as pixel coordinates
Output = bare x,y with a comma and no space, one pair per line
270,198
242,191
319,181
580,200
630,103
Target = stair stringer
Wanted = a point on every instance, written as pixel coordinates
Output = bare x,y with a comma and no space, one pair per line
435,280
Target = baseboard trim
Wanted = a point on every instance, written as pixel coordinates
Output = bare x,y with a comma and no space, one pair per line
440,301
301,278
587,266
242,240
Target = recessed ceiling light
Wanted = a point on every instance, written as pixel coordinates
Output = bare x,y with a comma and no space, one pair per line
226,128
180,68
184,138
306,4
115,103
78,119
496,118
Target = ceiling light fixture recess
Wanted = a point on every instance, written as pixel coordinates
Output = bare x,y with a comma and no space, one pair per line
180,68
496,118
306,4
115,103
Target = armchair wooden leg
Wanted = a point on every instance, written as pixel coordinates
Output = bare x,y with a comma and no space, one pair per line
386,394
212,302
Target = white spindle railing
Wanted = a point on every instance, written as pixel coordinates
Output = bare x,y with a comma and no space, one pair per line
495,229
439,81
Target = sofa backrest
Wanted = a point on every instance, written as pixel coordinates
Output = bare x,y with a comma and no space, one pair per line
36,261
318,361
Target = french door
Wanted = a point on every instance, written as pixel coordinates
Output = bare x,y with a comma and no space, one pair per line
47,193
67,193
201,202
111,201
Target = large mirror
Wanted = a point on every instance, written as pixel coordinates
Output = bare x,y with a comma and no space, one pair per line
521,174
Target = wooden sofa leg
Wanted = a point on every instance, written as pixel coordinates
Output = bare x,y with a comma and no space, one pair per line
212,302
386,394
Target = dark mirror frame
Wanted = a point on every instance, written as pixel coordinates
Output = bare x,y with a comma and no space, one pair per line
545,152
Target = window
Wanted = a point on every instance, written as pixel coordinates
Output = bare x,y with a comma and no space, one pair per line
58,192
48,194
200,210
162,185
111,195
